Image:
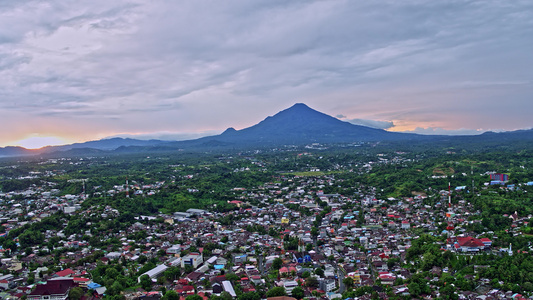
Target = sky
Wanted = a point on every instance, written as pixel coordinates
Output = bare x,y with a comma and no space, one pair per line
72,71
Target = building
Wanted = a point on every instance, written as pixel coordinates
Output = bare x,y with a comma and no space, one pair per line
487,242
154,273
64,273
197,212
55,289
228,287
175,249
302,257
192,259
326,285
290,285
499,177
405,224
469,244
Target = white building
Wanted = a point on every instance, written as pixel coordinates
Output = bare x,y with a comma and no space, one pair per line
154,273
228,287
192,259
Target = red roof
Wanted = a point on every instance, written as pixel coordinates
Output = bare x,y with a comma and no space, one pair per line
65,273
470,242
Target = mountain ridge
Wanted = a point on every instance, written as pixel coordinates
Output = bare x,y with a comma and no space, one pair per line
296,125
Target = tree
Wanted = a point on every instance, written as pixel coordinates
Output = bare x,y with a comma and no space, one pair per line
31,278
277,263
414,289
348,282
142,259
232,277
311,282
194,297
276,291
314,231
146,282
249,296
111,273
171,295
75,293
172,273
298,293
226,296
115,288
319,272
306,274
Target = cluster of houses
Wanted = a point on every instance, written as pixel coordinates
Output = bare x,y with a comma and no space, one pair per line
360,237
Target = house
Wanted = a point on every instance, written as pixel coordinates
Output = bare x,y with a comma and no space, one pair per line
240,258
302,257
175,249
113,255
55,289
217,288
486,242
290,285
81,281
387,278
405,224
64,273
4,284
281,298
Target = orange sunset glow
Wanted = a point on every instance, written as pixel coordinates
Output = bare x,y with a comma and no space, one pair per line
37,142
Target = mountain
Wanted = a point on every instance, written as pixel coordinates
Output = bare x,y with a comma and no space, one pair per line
299,125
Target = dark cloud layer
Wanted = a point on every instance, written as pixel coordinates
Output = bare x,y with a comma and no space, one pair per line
108,67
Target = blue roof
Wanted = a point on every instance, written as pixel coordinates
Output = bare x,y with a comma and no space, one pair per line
218,267
93,285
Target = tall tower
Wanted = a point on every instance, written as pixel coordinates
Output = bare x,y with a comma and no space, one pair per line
449,195
127,188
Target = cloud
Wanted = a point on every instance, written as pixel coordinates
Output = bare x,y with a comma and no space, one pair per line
140,66
441,131
372,123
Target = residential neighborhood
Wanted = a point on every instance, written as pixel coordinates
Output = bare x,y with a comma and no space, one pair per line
287,234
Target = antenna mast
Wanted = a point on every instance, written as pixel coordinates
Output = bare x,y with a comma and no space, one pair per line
127,188
449,195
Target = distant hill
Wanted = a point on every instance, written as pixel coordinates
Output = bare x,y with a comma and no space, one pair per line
104,144
297,125
16,151
81,148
